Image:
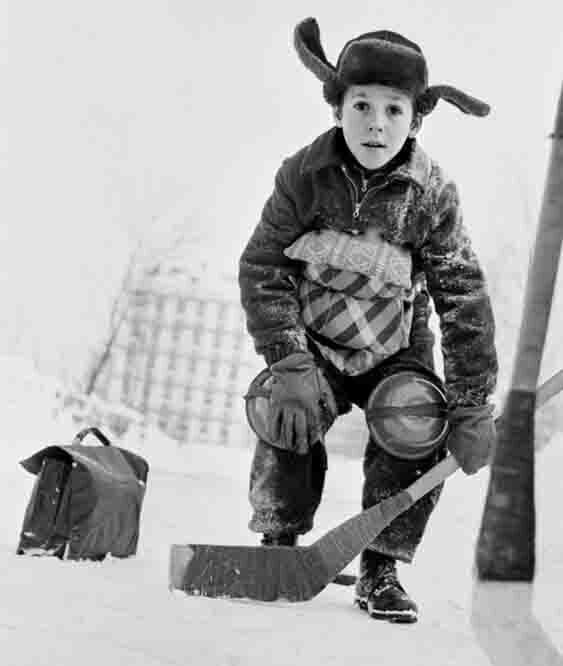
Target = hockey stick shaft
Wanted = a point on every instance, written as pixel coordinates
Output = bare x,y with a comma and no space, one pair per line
448,466
506,542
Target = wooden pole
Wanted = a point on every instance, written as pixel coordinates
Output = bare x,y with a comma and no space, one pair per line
506,542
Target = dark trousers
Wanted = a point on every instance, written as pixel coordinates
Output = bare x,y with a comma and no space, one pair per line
286,488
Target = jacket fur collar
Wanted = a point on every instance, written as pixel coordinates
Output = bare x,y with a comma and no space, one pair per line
324,152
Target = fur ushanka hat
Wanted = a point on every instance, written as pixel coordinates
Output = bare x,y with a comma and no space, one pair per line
383,57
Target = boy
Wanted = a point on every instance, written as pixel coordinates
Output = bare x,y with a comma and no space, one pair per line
361,229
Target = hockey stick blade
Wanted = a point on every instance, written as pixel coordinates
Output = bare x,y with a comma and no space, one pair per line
291,573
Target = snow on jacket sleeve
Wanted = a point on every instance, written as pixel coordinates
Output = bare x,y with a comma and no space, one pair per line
268,279
457,285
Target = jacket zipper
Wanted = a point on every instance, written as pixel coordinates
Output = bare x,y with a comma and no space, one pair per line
356,201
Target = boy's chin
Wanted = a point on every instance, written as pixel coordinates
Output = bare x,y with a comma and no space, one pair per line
372,161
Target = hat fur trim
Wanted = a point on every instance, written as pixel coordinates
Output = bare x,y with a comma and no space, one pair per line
370,60
464,102
307,42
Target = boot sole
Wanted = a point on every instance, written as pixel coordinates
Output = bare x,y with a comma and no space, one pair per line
396,617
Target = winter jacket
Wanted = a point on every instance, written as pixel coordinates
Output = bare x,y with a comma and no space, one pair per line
413,205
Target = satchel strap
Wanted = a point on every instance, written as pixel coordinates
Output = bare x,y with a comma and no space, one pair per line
92,430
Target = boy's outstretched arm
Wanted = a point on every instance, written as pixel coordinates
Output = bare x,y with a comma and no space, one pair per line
457,285
268,279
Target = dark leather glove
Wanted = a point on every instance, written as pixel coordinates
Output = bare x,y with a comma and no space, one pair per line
472,437
297,403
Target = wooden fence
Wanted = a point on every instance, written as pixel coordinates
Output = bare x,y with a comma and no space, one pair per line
182,358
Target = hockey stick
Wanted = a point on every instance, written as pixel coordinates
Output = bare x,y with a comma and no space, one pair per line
300,573
506,543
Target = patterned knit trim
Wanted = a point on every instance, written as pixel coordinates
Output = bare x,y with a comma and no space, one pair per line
375,258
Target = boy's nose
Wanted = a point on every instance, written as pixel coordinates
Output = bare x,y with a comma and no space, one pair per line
375,123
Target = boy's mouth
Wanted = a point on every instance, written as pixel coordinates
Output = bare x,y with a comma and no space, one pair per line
373,144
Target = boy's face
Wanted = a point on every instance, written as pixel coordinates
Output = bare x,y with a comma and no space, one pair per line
376,121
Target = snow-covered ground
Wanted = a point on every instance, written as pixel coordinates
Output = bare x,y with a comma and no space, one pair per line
121,612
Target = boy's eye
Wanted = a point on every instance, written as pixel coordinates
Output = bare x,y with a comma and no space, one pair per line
395,110
361,106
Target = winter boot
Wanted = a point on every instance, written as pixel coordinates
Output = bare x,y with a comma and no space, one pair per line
379,592
288,539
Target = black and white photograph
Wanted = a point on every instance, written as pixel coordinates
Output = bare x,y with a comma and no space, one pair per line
281,309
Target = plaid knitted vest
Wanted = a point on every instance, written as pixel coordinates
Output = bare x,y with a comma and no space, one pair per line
356,292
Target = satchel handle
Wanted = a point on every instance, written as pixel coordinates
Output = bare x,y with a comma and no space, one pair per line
93,430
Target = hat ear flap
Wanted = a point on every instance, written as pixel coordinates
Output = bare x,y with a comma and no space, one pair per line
307,42
464,102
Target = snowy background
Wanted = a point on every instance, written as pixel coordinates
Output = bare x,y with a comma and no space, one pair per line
129,125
